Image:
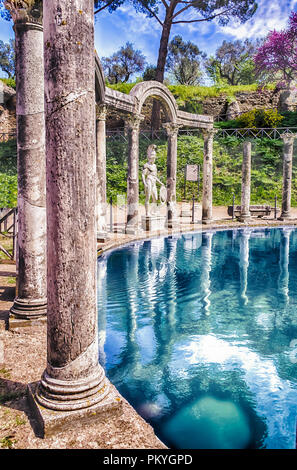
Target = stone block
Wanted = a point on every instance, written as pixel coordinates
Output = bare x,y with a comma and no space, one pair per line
49,422
153,223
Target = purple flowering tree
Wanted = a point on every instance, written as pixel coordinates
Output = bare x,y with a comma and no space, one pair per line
276,59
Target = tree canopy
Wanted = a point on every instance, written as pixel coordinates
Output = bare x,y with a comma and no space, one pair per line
233,62
123,63
277,57
7,57
183,61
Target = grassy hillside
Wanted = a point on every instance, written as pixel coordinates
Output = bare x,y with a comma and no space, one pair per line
266,169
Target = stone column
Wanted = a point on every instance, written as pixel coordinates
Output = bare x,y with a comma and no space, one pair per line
287,175
101,172
207,176
246,182
132,126
172,132
30,302
73,379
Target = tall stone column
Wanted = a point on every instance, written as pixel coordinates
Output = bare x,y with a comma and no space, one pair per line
101,172
172,132
73,379
132,126
30,302
246,182
207,176
287,175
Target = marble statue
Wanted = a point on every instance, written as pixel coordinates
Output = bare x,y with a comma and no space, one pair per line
150,180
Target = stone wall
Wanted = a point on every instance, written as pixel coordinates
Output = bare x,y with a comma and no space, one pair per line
218,106
7,109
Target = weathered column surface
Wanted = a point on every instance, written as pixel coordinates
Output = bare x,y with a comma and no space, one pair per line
246,182
172,132
207,176
31,301
73,379
287,174
101,172
132,126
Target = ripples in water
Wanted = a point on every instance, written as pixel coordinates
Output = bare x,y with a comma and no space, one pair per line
199,333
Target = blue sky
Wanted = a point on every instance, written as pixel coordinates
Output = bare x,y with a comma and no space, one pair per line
114,30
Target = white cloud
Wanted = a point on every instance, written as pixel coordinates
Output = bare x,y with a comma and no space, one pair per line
270,15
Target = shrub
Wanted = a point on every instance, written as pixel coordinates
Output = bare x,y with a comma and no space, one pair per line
9,82
257,118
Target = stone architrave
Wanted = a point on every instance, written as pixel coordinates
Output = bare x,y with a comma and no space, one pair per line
246,182
287,174
73,385
172,132
101,172
132,126
208,135
31,301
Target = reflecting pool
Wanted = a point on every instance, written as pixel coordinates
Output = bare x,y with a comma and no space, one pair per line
199,333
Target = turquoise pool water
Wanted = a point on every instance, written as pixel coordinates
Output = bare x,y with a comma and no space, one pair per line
199,333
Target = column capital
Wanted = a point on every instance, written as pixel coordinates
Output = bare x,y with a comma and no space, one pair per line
209,132
101,111
26,12
171,128
133,121
288,136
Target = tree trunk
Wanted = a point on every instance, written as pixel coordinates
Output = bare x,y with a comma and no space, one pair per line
163,51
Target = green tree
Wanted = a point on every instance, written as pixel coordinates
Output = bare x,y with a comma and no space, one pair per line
233,63
7,57
123,63
183,61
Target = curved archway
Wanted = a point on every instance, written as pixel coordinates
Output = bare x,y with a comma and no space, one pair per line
156,90
99,81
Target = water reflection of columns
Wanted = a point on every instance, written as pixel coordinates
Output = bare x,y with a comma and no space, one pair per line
101,305
244,244
283,280
132,282
206,269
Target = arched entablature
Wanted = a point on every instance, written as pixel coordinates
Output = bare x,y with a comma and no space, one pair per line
156,90
99,81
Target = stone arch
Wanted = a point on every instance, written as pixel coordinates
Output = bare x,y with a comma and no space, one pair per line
157,90
99,81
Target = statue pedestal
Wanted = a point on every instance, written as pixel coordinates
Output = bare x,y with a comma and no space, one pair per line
152,223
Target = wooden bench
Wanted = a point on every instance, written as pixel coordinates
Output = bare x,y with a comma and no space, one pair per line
256,211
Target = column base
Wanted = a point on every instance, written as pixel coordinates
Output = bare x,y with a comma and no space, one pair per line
244,218
26,309
207,221
172,224
48,422
284,217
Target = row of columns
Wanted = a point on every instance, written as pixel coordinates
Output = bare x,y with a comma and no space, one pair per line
133,127
288,144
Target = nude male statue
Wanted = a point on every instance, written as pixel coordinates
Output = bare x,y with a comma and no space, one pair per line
149,178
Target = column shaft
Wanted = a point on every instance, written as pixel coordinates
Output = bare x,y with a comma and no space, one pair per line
172,132
31,293
73,378
287,175
207,176
246,182
133,125
101,172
